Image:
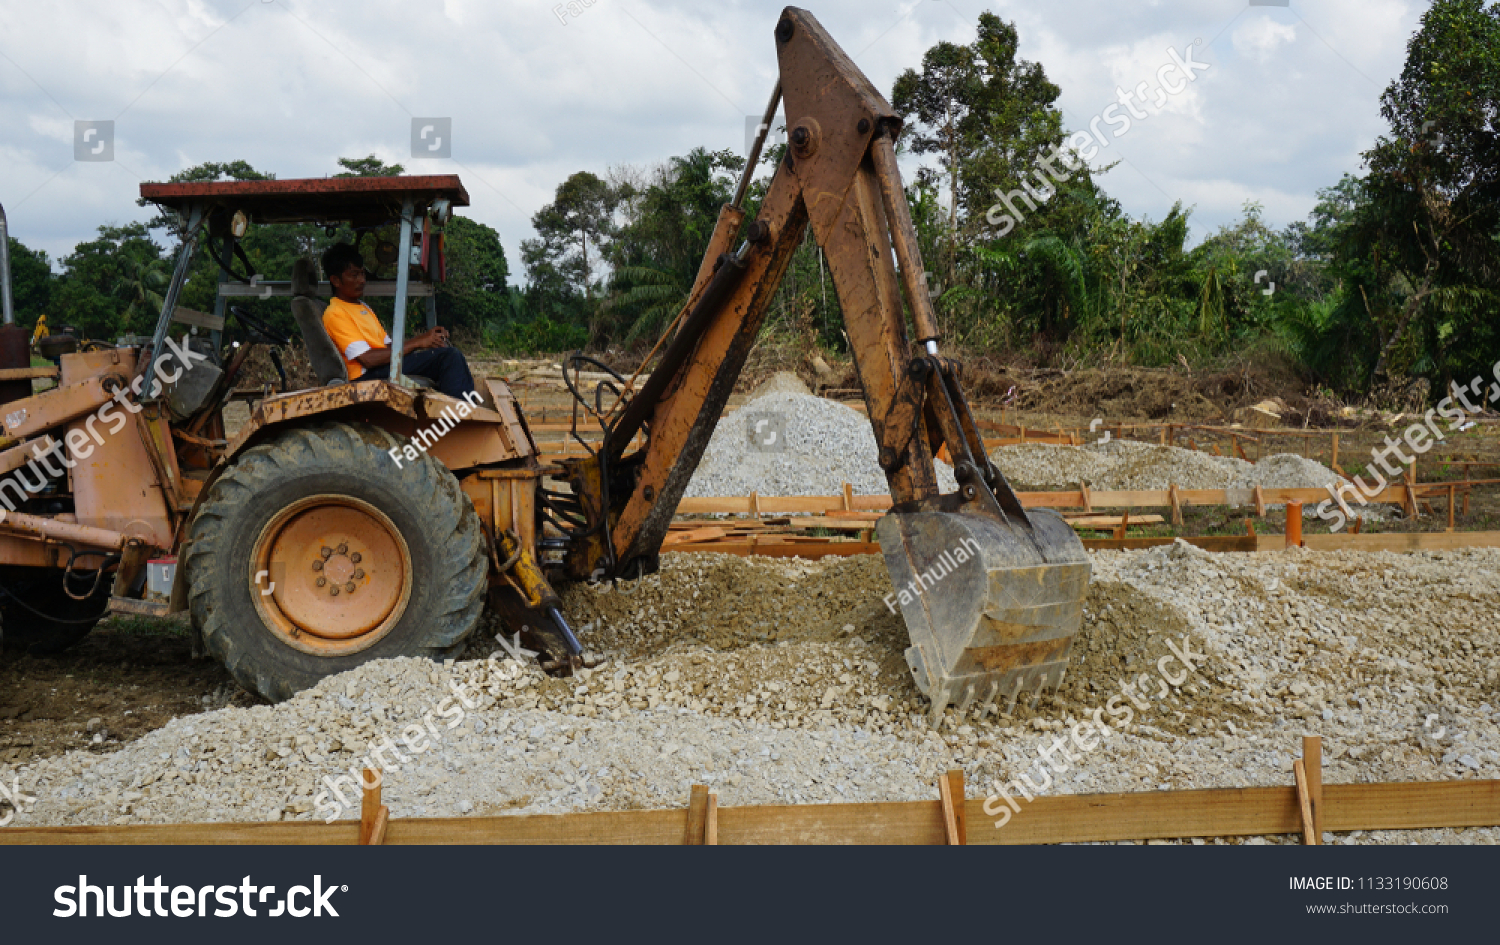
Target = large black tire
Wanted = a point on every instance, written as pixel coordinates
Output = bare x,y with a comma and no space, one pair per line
272,651
40,591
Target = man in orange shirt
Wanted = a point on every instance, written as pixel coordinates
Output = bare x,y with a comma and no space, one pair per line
363,341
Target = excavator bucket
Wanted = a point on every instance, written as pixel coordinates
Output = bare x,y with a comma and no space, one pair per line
991,604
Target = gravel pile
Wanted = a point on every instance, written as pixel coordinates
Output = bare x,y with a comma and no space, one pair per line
785,443
1128,465
783,681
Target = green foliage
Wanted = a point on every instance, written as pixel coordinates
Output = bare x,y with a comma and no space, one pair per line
475,292
31,282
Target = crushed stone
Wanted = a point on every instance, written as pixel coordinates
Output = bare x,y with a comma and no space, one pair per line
782,681
787,443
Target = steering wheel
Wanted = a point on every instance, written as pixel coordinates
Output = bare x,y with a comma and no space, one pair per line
271,335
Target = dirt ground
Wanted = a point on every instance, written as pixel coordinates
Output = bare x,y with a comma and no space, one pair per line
128,677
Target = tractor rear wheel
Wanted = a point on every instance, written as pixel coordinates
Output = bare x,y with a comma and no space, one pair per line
316,552
41,617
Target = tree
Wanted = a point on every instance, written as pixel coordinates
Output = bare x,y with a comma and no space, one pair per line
583,208
656,253
88,294
369,166
475,294
31,282
1434,188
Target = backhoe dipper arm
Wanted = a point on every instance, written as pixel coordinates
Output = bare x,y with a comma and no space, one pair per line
840,175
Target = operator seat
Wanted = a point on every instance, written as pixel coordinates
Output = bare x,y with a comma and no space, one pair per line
307,309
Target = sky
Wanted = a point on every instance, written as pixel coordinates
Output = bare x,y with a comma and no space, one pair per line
1284,98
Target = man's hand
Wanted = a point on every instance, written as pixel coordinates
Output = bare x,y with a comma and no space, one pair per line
431,338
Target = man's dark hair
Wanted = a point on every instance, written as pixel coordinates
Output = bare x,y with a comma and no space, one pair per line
339,258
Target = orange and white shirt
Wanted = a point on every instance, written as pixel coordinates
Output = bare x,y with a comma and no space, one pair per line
354,330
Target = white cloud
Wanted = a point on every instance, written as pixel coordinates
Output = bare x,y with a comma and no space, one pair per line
292,85
1260,38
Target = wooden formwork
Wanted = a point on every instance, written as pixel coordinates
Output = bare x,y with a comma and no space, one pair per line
1307,807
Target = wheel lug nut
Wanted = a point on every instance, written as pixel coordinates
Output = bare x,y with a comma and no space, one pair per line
326,552
343,549
322,581
334,590
359,573
318,565
349,587
355,557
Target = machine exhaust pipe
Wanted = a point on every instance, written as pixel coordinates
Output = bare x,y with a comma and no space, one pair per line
6,302
15,344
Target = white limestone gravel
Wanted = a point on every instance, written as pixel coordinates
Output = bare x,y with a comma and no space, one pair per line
769,700
785,443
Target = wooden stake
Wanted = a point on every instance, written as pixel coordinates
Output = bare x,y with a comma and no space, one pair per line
1260,503
1176,502
1309,838
1250,527
1124,523
370,810
1450,506
1334,463
711,823
955,821
754,504
848,496
1088,502
1238,449
697,816
1312,766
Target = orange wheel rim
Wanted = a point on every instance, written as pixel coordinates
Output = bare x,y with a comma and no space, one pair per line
330,575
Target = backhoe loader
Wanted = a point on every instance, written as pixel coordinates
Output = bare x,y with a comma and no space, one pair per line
376,518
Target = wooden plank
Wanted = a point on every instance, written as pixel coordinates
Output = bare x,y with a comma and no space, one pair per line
1403,541
698,534
369,806
1148,498
377,829
1225,543
697,816
1110,521
950,818
188,316
955,781
711,822
1221,812
1312,763
812,550
1304,804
